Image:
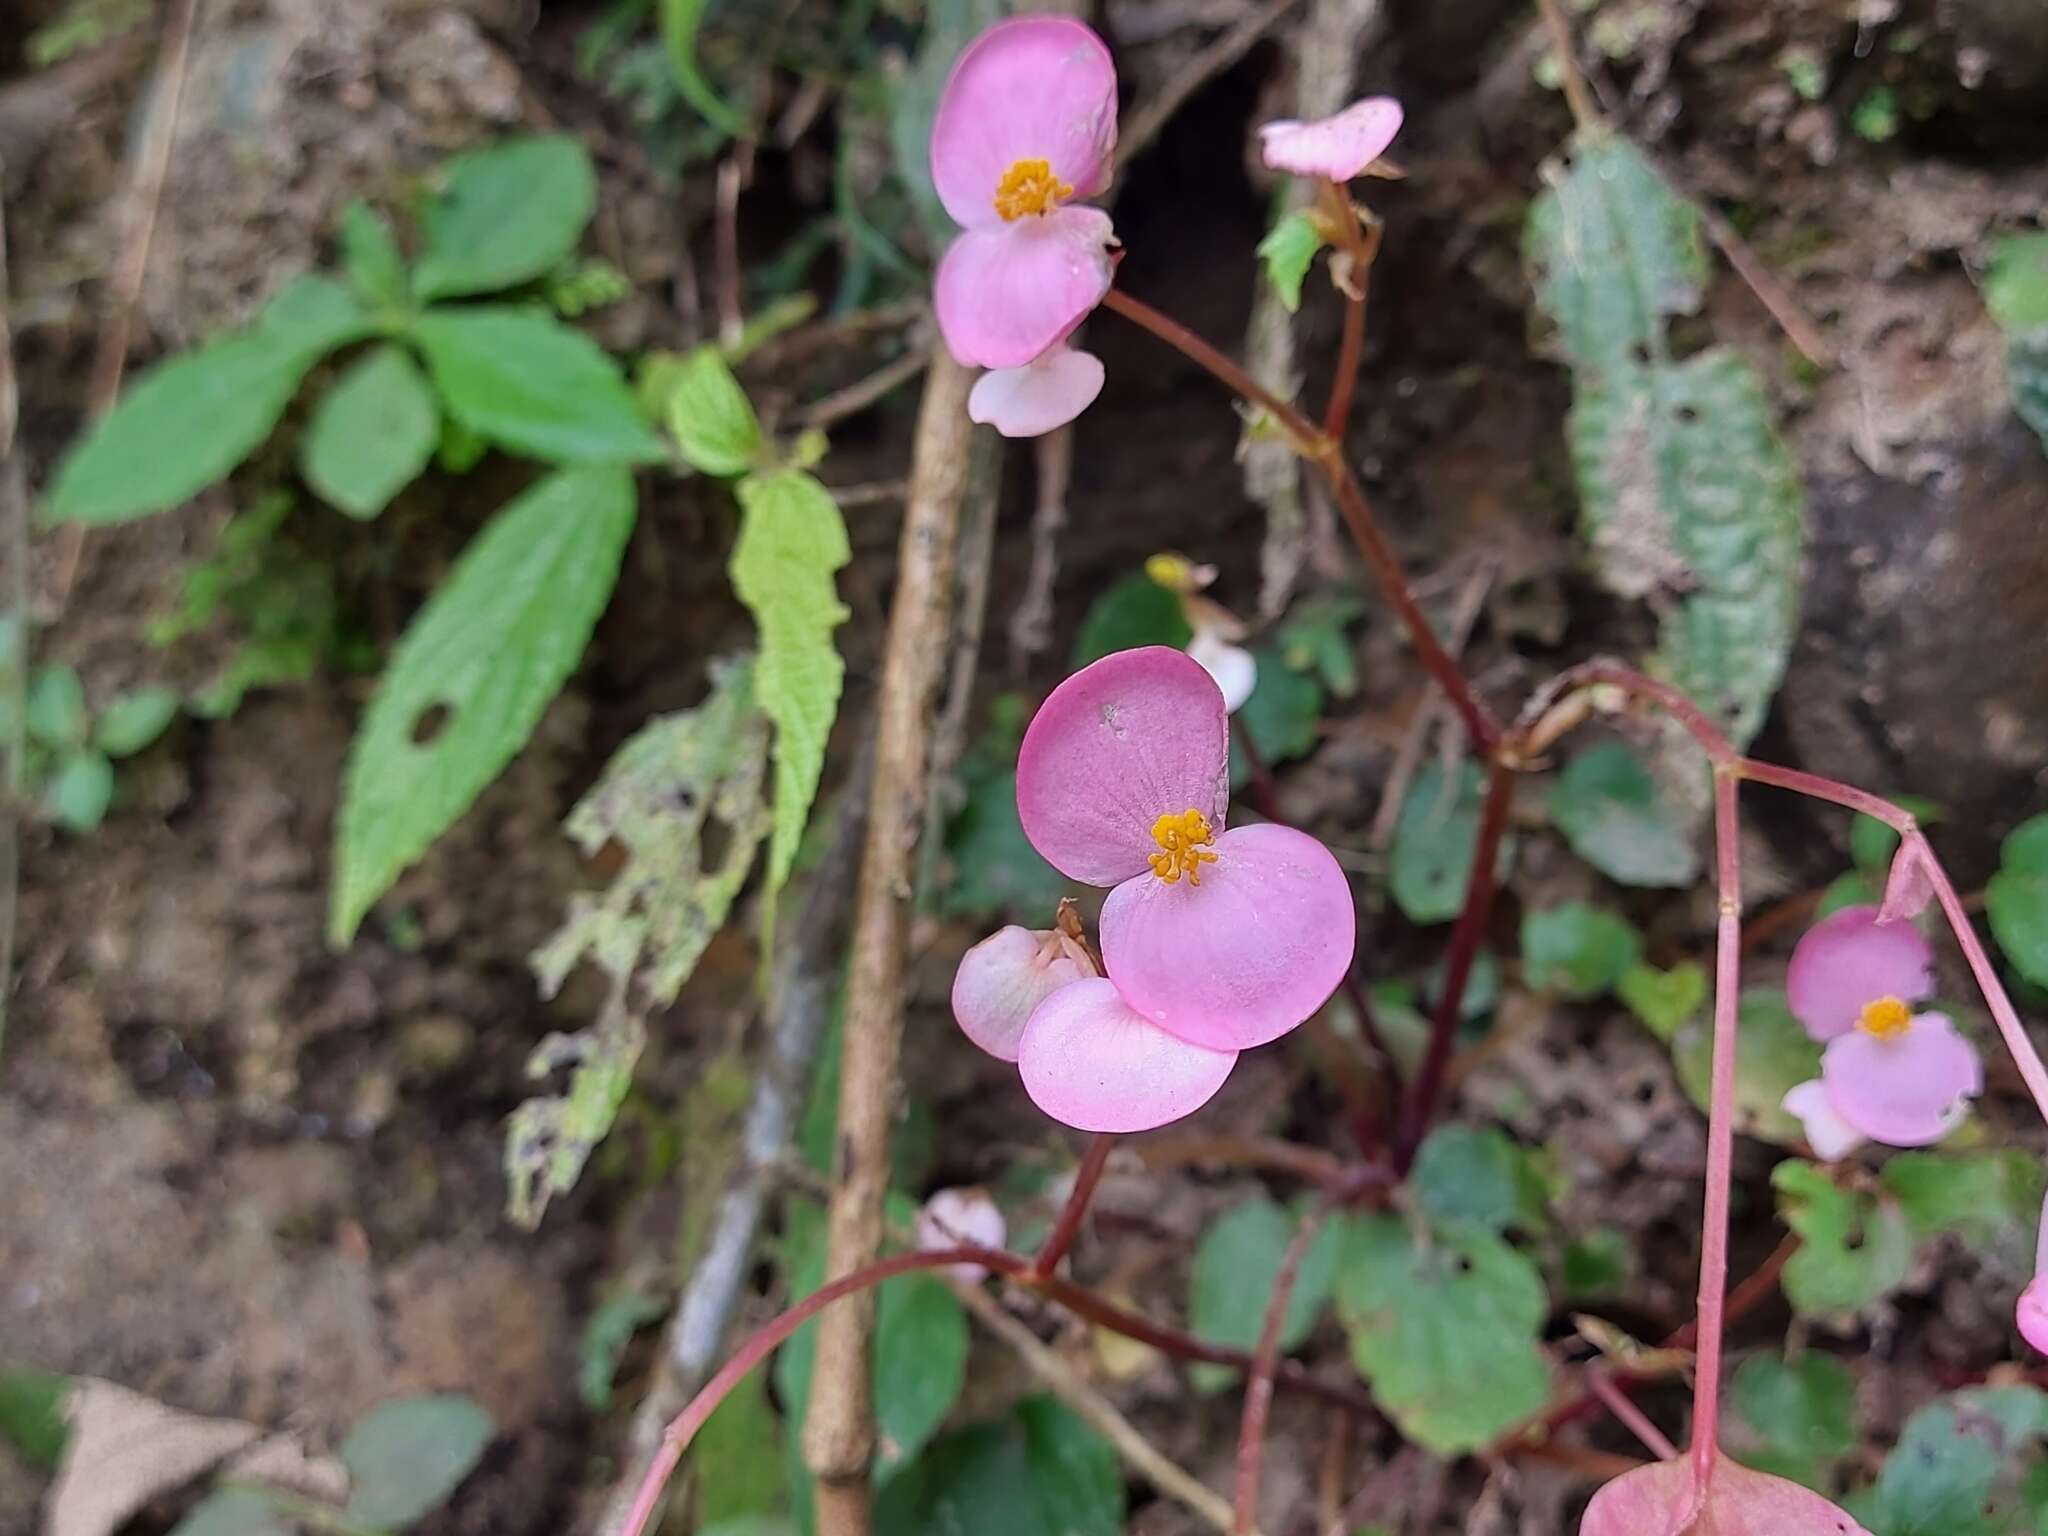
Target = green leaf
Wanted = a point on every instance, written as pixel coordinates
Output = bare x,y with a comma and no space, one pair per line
1314,638
1663,1000
1288,251
1802,1409
370,256
371,434
2016,282
1135,610
472,674
1280,716
1942,1477
657,801
1609,809
132,720
680,20
792,539
995,870
1597,1265
739,1457
1236,1264
1577,951
32,1413
1435,837
1872,843
1775,1055
602,1344
1074,1471
1852,888
404,1458
1444,1329
1991,1200
1040,1471
1476,1174
1854,1248
525,381
505,215
55,711
235,1511
709,413
2026,366
81,790
2017,900
1689,496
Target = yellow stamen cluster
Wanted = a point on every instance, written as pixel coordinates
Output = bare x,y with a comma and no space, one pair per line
1184,846
1887,1018
1029,187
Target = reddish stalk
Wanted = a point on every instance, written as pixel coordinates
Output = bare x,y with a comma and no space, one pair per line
1350,352
1258,1388
1706,1411
1622,1406
1068,1227
1465,940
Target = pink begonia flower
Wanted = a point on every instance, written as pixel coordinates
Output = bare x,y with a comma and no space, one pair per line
1663,1499
1042,396
1006,976
1026,125
1888,1074
955,1216
1338,147
2033,1307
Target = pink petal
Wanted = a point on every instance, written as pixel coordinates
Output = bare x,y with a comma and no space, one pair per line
1830,1136
1004,977
2033,1314
1035,88
1246,955
1662,1499
1005,295
1130,738
1908,887
1850,959
1043,395
1337,147
955,1216
1092,1063
1908,1091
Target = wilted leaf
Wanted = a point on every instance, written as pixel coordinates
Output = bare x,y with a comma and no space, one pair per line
1235,1266
505,215
405,1458
1609,809
471,675
1689,496
2017,900
371,434
1288,251
1576,950
1854,1247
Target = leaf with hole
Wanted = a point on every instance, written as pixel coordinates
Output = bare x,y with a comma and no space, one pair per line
1476,1174
1611,812
405,1458
1854,1247
1688,495
527,382
371,434
505,215
1231,1281
2017,900
471,675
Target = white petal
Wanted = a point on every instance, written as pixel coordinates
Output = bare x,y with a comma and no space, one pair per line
1234,668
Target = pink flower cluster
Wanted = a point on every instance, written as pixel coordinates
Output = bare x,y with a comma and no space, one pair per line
1889,1074
1214,940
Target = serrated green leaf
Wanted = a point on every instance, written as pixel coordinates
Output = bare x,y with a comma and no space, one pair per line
1802,1411
1281,716
1133,611
1663,1000
1774,1056
132,720
1231,1281
1610,811
1689,496
1854,1247
1288,251
505,215
1443,1329
527,382
235,1511
738,1457
714,424
371,434
680,20
55,708
676,777
1435,837
80,791
1476,1174
473,672
1576,950
792,540
405,1458
370,256
32,1413
2017,899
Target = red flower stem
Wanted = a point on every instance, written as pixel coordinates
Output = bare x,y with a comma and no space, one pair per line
1465,940
1258,1388
1818,788
1068,1227
1315,444
1622,1406
1706,1410
1350,352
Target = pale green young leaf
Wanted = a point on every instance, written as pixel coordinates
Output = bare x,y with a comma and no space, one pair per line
1288,251
1576,950
55,707
131,721
527,382
1689,496
1235,1266
370,256
371,434
714,424
404,1458
472,674
80,791
1854,1247
1611,812
1663,1000
505,215
791,542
